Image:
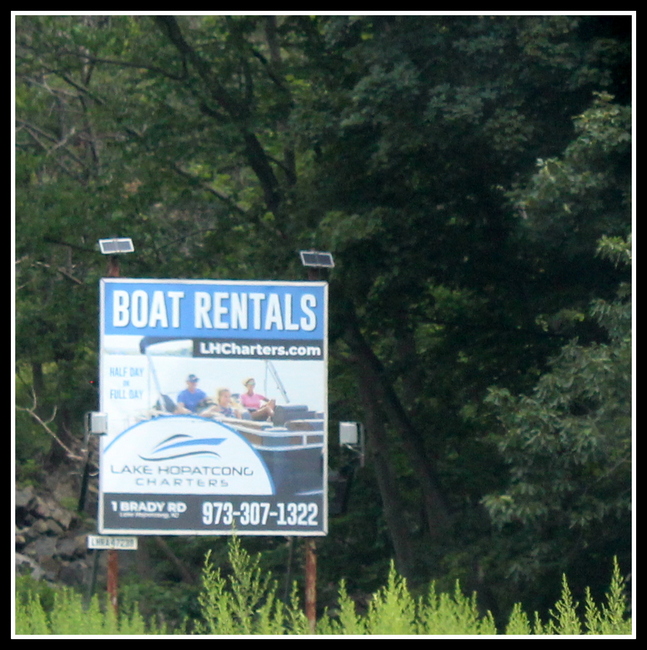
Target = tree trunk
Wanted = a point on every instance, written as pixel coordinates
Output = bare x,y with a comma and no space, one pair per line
183,570
377,448
372,375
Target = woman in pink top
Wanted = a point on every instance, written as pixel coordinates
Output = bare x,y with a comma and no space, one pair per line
253,402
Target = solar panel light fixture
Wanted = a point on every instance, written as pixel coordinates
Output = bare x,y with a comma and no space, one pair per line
116,245
319,259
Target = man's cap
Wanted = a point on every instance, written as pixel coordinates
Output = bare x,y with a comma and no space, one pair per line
192,378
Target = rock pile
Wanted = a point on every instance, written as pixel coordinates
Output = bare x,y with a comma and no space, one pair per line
50,539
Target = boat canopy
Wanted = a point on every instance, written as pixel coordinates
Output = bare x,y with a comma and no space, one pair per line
147,341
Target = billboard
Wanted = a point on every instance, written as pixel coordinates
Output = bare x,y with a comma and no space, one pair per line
216,401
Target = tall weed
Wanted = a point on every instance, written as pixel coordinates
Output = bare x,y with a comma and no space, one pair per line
245,603
69,617
609,619
566,619
392,609
452,614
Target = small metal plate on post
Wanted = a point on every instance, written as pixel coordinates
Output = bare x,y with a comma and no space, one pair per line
108,542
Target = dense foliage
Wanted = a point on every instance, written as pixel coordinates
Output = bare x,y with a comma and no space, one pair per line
472,177
245,603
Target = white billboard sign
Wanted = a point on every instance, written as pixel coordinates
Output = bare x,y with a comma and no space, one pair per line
215,394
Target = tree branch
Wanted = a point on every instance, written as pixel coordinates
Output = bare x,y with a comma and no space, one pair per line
61,270
218,93
229,201
44,424
254,152
187,576
34,131
125,64
78,87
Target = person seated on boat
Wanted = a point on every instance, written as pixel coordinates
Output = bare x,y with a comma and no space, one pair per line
224,407
253,402
191,398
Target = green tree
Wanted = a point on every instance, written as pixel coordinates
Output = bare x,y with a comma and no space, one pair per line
567,444
224,144
439,289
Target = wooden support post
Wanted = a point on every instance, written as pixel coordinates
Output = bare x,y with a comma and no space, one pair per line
113,266
311,583
113,574
113,560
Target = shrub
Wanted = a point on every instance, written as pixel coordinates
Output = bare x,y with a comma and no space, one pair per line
69,616
245,603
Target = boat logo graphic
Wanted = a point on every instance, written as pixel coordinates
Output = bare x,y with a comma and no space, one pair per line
179,454
182,445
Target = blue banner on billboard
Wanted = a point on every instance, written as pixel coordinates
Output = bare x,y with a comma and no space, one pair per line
216,396
234,309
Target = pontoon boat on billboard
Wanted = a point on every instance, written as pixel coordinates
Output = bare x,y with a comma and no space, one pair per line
216,396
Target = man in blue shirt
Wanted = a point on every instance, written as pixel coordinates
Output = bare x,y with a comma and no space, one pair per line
190,397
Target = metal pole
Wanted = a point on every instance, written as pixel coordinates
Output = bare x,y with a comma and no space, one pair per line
86,467
311,583
93,578
314,274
